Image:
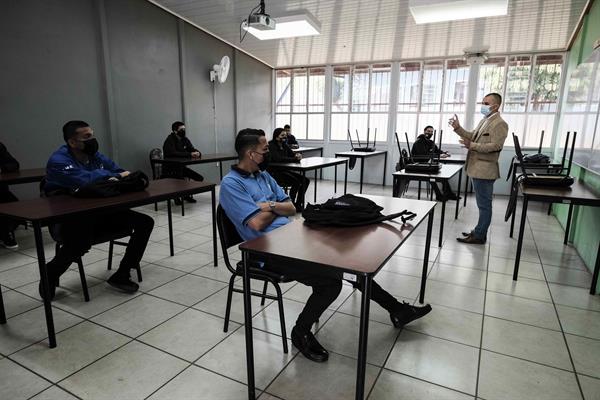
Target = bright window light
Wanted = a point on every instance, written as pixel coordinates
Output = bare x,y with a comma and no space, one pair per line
287,27
428,11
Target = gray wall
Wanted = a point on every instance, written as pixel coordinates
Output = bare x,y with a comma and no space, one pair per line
128,68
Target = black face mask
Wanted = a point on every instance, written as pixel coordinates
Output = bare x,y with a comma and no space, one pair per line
429,135
90,146
181,133
265,162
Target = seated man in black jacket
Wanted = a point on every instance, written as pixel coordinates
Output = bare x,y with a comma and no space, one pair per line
423,149
7,227
291,139
281,152
178,145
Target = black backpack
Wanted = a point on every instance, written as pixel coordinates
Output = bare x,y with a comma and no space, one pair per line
134,182
349,210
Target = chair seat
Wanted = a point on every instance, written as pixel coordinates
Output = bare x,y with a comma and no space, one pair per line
261,273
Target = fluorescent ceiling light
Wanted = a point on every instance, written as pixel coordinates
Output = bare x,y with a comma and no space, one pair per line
428,11
288,26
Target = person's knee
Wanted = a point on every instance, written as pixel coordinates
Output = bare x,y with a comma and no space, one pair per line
331,288
142,222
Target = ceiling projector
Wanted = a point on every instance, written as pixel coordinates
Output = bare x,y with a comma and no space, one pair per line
262,22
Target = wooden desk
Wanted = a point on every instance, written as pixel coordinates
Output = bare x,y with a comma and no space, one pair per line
577,194
315,163
205,158
303,149
445,174
22,176
362,155
46,210
356,253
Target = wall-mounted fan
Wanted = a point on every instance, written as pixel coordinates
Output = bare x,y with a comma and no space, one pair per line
220,71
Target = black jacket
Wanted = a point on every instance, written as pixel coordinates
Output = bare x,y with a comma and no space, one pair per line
177,147
291,140
7,162
283,154
424,147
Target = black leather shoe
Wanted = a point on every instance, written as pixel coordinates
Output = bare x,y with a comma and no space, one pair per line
190,199
123,282
451,196
309,346
465,234
407,313
471,240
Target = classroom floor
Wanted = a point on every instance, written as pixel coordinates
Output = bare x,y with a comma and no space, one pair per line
487,336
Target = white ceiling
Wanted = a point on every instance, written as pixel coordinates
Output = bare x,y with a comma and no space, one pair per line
379,30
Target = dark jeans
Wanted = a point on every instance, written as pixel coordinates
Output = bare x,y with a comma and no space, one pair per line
6,225
297,183
325,291
484,192
78,235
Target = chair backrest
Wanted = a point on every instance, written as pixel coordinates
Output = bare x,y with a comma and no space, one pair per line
156,154
228,235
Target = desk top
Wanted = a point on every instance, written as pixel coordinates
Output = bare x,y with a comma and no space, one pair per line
23,176
447,172
361,154
49,208
578,193
359,250
303,149
309,163
454,159
205,158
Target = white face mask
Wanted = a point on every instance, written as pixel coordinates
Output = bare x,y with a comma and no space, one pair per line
485,110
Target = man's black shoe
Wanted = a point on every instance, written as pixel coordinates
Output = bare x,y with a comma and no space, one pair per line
465,234
471,240
309,346
407,313
451,196
9,241
177,201
123,282
190,199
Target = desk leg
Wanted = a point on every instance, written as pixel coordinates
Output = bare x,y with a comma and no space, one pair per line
362,338
568,227
458,194
466,190
426,257
2,312
596,272
321,173
419,192
315,187
334,178
442,223
514,215
170,219
520,239
214,226
248,328
384,167
346,178
362,172
221,170
39,246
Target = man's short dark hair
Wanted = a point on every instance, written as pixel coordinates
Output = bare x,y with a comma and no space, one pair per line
286,126
496,97
70,129
246,139
427,127
277,132
175,125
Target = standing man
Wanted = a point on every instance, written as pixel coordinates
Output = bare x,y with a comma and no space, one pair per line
178,145
291,139
485,144
7,227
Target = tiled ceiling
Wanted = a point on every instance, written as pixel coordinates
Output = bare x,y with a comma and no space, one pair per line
378,30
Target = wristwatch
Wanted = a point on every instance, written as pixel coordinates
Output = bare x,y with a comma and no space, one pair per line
272,205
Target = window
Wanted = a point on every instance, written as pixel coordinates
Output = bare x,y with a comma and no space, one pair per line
545,84
433,76
300,101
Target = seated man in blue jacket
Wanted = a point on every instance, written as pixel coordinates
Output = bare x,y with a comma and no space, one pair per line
74,165
256,204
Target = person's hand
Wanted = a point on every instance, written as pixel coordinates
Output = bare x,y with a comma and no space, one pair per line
466,143
195,154
453,122
444,155
298,156
124,174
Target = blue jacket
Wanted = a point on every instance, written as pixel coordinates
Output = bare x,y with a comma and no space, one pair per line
64,171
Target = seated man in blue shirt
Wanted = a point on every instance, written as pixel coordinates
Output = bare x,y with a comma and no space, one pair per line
74,165
256,204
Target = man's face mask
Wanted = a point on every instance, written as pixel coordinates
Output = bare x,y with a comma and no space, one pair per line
429,134
90,146
265,162
181,133
485,109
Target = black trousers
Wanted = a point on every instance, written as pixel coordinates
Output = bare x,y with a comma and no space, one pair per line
325,291
7,225
182,173
297,183
78,235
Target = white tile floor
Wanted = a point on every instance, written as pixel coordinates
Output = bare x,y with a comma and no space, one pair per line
487,336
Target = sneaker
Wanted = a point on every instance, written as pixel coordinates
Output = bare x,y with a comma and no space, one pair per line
407,313
9,241
309,346
123,282
190,199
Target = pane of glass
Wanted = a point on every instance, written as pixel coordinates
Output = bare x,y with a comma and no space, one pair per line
431,97
316,90
448,136
380,87
572,123
406,123
517,83
408,89
491,77
360,88
378,125
455,86
315,126
283,79
281,120
359,122
340,89
298,126
546,83
516,124
536,123
339,126
578,91
299,88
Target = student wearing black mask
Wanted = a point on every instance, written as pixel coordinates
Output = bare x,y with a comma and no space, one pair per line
281,152
7,227
178,145
76,164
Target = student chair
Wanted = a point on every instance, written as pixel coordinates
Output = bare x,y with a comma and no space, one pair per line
157,154
229,237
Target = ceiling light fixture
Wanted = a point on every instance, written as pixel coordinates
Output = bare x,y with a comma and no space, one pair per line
429,11
287,27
